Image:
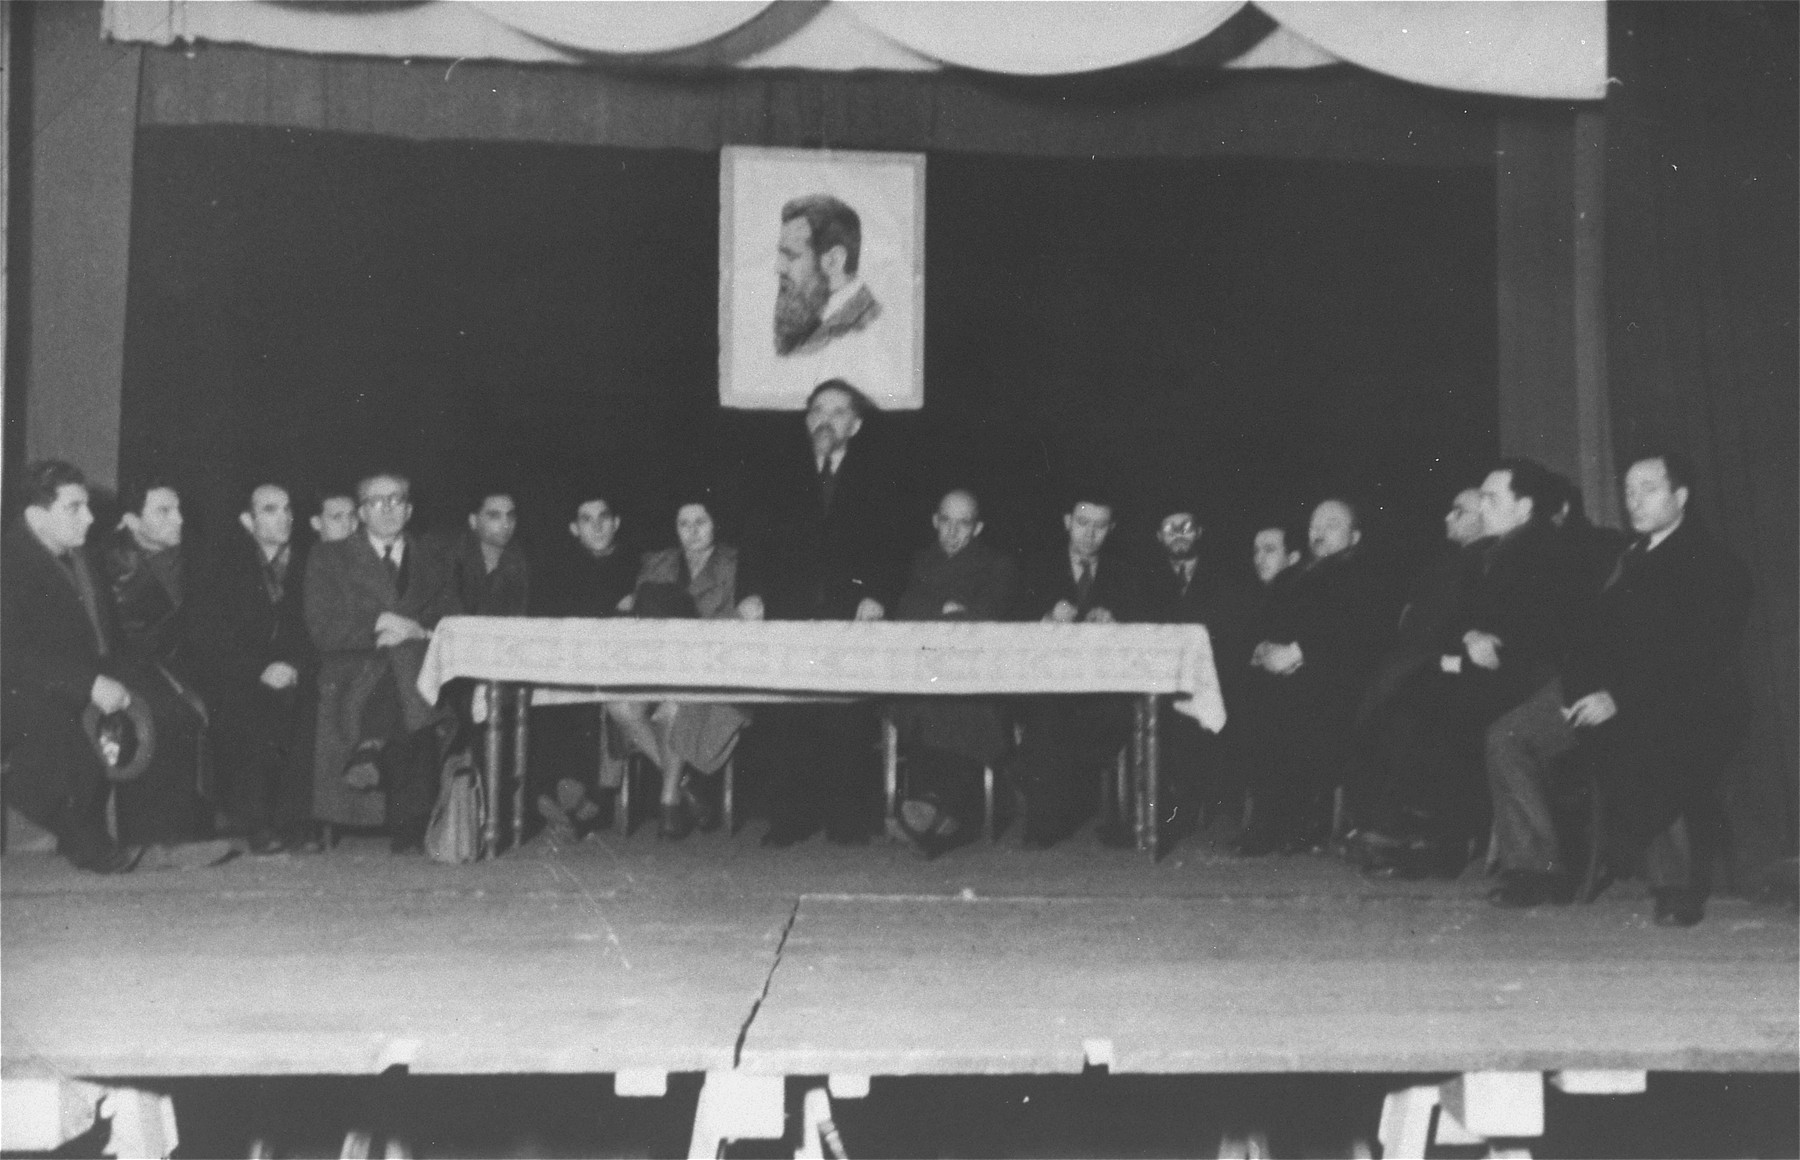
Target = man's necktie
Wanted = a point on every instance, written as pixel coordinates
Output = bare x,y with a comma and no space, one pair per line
394,570
1084,580
827,486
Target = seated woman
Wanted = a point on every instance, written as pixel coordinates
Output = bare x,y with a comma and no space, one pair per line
698,578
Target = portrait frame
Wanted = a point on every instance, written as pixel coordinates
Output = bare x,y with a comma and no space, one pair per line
871,330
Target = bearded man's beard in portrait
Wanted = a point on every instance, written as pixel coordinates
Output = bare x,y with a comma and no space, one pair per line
799,307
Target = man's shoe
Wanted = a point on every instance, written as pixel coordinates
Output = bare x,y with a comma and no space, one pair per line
264,841
676,822
303,838
702,806
1679,906
188,855
1519,889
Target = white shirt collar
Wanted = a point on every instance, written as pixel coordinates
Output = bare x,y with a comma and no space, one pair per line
840,296
399,547
837,460
1658,537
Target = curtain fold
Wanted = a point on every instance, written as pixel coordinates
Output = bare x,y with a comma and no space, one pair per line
1504,47
1539,50
1702,229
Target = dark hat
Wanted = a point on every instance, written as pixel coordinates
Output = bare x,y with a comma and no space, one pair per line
125,741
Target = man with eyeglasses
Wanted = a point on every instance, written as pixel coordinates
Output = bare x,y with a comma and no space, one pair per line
372,600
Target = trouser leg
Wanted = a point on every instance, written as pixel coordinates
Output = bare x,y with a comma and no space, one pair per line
1522,744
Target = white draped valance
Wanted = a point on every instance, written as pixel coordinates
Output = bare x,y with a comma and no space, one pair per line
1523,49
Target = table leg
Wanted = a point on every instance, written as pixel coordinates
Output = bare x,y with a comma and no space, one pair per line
521,748
890,776
490,826
1148,776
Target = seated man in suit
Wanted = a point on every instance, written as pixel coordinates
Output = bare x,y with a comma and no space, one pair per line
1322,633
1421,799
55,657
493,577
146,569
1652,693
951,739
1181,587
1068,739
591,576
371,601
255,667
1505,654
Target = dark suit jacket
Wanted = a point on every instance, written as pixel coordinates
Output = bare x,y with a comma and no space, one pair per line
1435,605
584,585
347,586
235,631
1167,601
808,563
1050,578
48,654
1664,633
506,591
1341,614
148,595
978,577
1531,593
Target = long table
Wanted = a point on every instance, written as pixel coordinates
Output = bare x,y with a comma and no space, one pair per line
733,660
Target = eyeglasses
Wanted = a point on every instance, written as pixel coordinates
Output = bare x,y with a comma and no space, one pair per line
385,503
1178,527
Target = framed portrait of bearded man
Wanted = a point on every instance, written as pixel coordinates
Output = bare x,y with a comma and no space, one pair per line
821,275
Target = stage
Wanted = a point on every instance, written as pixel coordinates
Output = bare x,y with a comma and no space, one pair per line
643,958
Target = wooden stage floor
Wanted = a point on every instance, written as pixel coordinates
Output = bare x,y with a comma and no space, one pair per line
612,955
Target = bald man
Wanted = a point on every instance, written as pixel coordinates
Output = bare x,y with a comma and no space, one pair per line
1324,630
951,738
255,665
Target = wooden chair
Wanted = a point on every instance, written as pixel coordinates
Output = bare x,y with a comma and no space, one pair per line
894,786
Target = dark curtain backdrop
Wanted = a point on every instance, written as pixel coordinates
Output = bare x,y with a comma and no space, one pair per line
1701,279
303,305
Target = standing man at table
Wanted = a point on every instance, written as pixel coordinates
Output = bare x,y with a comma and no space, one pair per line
823,544
371,602
1067,739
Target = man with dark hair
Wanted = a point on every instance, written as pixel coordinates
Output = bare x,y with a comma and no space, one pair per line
819,296
822,544
493,577
255,665
143,559
594,572
1523,607
1322,633
371,602
336,517
55,654
1067,740
589,577
1653,694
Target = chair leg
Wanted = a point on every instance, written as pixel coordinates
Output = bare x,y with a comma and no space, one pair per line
728,796
987,802
622,812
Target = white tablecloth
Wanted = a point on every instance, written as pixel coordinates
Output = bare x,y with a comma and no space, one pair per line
726,657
